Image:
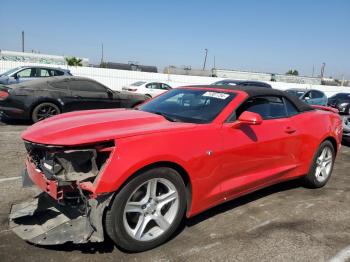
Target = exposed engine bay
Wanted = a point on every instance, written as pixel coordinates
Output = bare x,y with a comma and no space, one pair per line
66,212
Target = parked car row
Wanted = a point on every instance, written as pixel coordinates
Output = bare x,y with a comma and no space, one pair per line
43,98
19,98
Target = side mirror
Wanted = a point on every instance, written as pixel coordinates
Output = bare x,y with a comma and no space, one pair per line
16,76
306,98
248,118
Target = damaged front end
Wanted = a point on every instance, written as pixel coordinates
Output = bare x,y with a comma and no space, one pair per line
68,210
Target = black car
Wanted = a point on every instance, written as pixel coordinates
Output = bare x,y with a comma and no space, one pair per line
231,82
40,99
340,101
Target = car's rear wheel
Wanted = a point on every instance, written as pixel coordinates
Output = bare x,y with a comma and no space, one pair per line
147,210
322,166
44,110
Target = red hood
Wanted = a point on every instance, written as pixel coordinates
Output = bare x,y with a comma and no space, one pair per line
85,127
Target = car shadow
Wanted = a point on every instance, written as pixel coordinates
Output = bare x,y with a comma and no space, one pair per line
14,122
243,200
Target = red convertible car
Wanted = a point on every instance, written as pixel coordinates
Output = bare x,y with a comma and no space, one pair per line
134,173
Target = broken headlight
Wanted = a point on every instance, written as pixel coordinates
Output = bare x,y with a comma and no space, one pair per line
71,164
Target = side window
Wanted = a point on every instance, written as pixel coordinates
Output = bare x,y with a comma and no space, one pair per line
308,95
43,72
57,73
86,86
26,73
166,87
163,86
316,94
152,86
269,107
291,109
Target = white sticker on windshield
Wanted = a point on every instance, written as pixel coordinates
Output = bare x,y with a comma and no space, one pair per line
216,95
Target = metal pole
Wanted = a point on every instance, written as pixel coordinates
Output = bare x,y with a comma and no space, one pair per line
102,58
205,58
22,41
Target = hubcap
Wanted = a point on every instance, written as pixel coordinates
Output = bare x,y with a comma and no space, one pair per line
46,111
151,209
324,164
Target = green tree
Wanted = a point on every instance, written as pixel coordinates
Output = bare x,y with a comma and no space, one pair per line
292,72
73,61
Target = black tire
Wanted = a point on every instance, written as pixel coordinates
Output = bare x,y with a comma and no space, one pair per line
38,112
148,95
310,180
114,223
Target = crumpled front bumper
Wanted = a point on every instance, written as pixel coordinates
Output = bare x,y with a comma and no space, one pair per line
44,221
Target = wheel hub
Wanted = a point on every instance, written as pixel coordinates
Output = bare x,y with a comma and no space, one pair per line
150,207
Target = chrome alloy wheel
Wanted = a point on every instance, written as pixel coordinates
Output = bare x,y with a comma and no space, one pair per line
151,209
324,164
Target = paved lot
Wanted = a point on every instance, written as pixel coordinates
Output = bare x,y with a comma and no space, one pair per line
281,223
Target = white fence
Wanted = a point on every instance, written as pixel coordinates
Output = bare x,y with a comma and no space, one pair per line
116,79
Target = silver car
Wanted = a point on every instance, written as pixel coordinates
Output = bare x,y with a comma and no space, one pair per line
26,73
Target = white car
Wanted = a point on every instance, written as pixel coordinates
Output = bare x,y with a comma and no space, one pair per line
150,89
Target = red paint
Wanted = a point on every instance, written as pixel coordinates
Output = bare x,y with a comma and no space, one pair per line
49,186
222,160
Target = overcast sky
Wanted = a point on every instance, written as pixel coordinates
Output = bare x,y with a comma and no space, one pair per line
269,36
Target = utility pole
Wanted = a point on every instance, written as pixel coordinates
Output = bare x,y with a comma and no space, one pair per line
214,62
313,70
322,69
205,58
102,58
22,41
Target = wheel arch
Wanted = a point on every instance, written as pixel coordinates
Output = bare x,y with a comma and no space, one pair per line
45,100
334,143
183,173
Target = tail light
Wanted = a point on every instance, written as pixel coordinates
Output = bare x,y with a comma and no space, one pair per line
3,95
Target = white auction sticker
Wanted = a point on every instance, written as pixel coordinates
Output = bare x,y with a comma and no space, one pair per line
216,95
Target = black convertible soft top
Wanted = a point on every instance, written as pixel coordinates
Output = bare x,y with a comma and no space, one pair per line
254,91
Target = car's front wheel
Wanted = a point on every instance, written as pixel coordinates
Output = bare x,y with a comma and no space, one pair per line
147,210
322,166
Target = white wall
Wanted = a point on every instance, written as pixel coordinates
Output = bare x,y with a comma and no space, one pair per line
116,79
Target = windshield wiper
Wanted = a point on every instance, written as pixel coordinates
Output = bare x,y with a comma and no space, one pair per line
167,117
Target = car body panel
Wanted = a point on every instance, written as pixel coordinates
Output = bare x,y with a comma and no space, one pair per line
58,90
310,96
35,73
151,89
207,153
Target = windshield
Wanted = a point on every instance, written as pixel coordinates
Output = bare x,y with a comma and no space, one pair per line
188,105
139,83
9,72
297,93
226,82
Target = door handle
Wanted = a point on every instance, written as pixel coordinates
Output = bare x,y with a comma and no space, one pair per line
289,130
77,96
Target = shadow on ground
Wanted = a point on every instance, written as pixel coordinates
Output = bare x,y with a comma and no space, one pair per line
108,246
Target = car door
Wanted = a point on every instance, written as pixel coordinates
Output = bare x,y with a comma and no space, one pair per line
153,89
318,98
23,75
91,95
256,155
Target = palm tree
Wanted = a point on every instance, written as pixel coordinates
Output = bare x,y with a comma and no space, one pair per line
292,72
73,61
